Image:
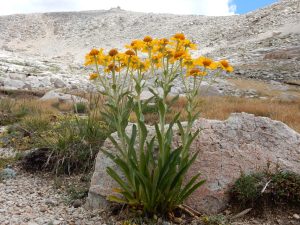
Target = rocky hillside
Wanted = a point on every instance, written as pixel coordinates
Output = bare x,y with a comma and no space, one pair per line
263,44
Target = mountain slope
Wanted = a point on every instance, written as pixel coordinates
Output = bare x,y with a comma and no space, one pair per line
263,44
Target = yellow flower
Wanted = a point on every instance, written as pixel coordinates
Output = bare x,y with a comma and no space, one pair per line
129,53
156,60
188,62
224,64
141,66
94,76
104,60
93,56
206,62
112,67
144,66
149,43
135,45
188,44
169,53
120,57
94,52
133,62
195,72
179,54
113,52
179,37
148,39
163,41
160,45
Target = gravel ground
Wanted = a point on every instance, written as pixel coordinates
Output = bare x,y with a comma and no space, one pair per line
31,200
42,199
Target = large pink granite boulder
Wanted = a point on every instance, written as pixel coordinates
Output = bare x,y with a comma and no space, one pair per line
242,143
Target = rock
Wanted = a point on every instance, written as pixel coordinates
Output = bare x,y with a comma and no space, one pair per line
74,86
17,76
51,202
13,84
27,86
43,209
32,223
242,143
293,82
7,173
145,95
296,216
58,83
55,95
56,222
284,54
77,203
207,90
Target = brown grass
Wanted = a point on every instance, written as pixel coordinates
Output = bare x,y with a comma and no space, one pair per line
21,94
210,107
264,88
221,107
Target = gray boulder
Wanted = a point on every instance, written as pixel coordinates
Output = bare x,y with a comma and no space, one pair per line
58,83
56,95
13,84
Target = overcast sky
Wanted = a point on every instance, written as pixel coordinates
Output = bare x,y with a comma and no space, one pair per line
200,7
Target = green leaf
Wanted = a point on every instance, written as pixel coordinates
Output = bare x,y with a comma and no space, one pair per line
116,199
192,189
184,169
117,178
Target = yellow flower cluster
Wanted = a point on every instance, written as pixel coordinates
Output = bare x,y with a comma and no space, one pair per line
150,54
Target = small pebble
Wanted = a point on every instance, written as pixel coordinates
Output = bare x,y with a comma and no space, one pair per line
296,216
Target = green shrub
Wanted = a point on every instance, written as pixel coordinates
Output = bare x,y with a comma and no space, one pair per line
247,188
80,107
215,220
73,144
285,187
276,188
150,108
77,193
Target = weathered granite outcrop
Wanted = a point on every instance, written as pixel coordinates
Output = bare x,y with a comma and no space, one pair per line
242,143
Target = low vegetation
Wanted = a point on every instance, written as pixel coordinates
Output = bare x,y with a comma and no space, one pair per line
64,142
73,144
215,220
266,188
7,161
13,110
34,119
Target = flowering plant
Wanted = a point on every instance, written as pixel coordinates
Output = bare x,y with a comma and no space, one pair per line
154,179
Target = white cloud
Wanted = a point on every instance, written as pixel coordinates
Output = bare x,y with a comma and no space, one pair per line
203,7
